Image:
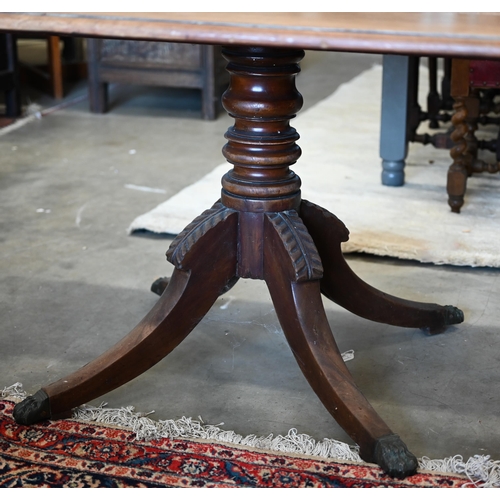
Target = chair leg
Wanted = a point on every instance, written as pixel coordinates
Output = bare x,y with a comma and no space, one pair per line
446,99
9,65
208,89
433,99
55,67
98,90
397,72
459,170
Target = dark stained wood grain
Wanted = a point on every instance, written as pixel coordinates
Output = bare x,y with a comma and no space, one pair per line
449,33
301,314
262,98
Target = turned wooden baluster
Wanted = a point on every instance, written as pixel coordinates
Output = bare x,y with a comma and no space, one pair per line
458,173
262,99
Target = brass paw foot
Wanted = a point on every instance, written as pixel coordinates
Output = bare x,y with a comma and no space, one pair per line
159,286
451,316
392,455
33,409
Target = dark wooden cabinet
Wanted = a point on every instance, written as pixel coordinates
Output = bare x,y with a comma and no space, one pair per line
156,63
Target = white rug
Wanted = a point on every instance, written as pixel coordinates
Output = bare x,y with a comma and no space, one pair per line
340,170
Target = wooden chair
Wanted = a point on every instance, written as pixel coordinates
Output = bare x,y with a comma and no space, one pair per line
471,80
48,78
63,64
156,63
470,86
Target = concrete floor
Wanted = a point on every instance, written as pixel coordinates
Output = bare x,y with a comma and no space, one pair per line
73,283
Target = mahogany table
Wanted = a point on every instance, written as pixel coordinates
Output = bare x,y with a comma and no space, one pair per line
260,227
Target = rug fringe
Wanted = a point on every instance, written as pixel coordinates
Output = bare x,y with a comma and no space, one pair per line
479,469
185,427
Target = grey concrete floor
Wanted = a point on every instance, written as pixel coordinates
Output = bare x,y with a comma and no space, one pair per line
73,283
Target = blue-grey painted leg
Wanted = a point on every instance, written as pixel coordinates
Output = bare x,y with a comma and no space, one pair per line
394,120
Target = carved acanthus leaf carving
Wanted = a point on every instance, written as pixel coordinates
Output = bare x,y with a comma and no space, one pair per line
193,232
299,245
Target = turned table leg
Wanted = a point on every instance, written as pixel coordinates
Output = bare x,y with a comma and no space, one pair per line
396,76
464,150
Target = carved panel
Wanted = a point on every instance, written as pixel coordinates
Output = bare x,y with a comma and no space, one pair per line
133,51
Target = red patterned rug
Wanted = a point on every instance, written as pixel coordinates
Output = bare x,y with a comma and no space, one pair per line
69,453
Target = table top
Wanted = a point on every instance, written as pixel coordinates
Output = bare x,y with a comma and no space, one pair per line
451,34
